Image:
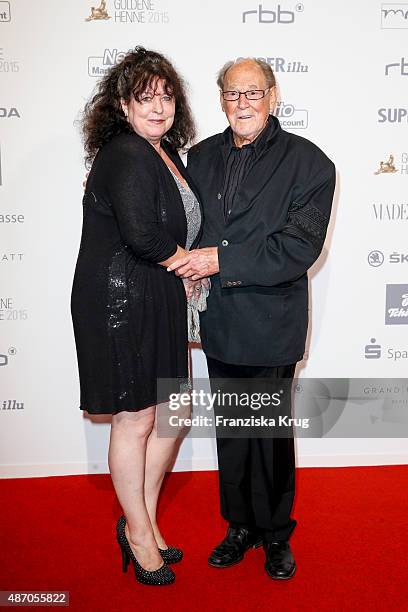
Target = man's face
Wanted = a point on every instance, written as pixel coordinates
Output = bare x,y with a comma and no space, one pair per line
247,118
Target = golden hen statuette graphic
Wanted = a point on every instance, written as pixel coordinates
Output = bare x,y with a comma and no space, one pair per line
98,13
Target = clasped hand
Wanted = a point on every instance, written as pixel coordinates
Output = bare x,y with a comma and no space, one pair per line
199,263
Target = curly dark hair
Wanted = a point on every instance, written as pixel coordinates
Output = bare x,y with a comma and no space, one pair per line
103,117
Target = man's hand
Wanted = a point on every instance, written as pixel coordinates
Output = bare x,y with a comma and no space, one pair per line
199,263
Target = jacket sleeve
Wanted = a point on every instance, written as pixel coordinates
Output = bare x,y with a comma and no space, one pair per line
133,189
286,255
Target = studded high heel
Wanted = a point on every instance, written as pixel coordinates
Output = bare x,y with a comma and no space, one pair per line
171,554
163,575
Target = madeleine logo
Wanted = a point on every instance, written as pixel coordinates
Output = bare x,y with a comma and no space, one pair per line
98,14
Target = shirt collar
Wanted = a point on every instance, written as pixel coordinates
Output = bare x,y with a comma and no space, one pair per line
260,143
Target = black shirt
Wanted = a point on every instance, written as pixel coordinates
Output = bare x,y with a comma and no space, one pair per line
238,162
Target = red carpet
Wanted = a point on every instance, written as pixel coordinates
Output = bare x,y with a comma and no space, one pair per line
350,544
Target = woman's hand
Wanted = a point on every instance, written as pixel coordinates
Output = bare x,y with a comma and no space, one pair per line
191,287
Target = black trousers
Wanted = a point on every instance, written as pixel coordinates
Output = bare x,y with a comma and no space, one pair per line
256,475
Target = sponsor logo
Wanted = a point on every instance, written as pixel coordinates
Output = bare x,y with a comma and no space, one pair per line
377,258
281,64
282,16
11,404
4,358
5,14
372,350
128,11
390,167
390,212
401,67
8,312
7,64
375,351
291,117
99,65
394,16
7,113
396,305
11,257
393,115
98,13
387,167
11,218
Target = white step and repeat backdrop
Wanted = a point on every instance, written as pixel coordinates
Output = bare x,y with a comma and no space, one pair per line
342,69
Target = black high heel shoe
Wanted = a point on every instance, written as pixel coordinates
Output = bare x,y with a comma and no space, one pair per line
171,554
163,575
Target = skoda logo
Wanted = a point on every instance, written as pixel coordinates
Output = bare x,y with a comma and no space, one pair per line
375,258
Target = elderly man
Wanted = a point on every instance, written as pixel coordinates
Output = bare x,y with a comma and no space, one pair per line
267,197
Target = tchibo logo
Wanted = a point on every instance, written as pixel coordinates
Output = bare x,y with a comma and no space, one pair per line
377,258
282,16
400,68
390,212
393,115
99,65
281,64
375,351
5,14
395,164
394,16
396,305
290,117
11,404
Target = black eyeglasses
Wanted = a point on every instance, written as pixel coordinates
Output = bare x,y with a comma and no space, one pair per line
251,94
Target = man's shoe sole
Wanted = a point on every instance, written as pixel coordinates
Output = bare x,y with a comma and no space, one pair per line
281,577
224,566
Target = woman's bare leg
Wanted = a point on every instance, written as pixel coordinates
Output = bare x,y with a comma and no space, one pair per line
129,436
159,453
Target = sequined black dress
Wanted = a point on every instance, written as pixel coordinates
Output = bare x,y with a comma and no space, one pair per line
129,313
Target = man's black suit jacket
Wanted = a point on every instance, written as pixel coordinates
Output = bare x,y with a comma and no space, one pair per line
257,311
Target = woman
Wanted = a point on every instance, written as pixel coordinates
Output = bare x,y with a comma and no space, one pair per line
129,313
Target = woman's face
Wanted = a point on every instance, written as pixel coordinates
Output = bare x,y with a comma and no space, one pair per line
152,114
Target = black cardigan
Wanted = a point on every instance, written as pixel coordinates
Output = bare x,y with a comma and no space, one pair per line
257,310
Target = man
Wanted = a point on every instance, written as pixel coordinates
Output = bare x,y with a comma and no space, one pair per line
267,198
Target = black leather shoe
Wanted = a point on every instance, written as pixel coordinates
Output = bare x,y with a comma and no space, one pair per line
234,546
280,564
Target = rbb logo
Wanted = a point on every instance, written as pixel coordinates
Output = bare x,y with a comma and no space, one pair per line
402,66
3,360
279,15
